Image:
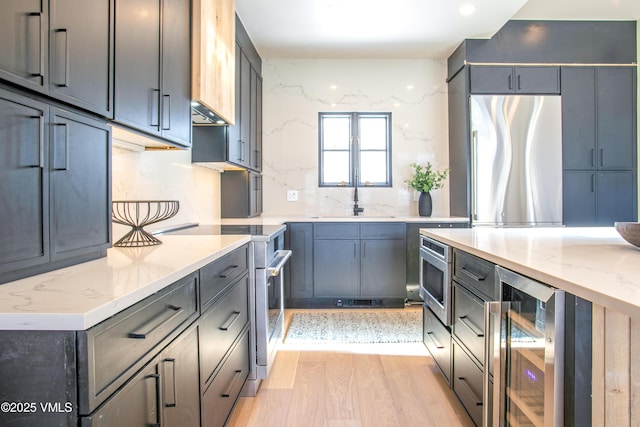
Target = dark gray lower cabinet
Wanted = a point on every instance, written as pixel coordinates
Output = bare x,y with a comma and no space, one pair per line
437,338
165,392
467,383
299,270
365,260
336,268
55,187
598,197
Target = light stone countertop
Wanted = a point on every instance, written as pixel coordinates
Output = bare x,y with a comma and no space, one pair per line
83,295
593,263
276,220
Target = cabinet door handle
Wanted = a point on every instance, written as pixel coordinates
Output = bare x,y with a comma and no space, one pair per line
36,55
434,340
155,377
469,392
155,108
57,150
593,157
232,384
509,80
471,327
166,112
364,250
230,321
473,275
354,250
156,322
40,161
593,182
172,383
63,78
227,271
519,86
602,157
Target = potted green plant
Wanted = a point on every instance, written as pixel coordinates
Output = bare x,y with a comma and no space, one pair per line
425,179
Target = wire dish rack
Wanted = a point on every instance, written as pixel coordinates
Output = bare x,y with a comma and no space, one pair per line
138,214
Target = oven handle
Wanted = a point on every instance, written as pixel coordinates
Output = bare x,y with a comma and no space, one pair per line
280,259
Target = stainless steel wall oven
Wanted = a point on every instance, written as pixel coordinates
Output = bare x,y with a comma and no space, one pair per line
435,277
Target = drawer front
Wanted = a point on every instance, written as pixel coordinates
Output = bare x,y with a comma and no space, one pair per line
336,230
219,398
476,273
216,276
437,339
382,231
117,344
467,383
468,321
220,326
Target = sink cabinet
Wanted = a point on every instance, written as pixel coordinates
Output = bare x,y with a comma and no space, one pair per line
365,260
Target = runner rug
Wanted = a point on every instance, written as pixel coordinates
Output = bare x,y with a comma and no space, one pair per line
355,327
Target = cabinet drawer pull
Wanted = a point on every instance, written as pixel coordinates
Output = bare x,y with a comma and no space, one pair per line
172,383
593,157
473,275
469,392
230,321
232,384
510,85
472,328
434,340
227,271
156,322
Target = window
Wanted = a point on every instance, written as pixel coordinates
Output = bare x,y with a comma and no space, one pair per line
355,145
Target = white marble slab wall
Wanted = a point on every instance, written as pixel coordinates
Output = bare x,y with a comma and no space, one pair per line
166,175
295,91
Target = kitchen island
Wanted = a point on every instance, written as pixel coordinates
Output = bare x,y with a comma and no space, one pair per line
595,264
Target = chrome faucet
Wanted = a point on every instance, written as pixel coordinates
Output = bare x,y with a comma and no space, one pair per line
356,209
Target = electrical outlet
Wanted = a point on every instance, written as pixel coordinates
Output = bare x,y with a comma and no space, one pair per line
292,196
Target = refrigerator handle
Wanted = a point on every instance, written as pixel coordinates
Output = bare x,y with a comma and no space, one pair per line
474,169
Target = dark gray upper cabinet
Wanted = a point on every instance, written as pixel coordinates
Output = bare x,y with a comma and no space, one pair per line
62,48
81,54
598,110
80,196
55,187
615,115
241,194
24,195
152,74
491,79
23,51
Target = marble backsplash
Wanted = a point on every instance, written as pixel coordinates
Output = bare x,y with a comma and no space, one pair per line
166,175
295,91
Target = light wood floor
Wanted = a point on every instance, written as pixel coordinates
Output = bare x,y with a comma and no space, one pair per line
351,386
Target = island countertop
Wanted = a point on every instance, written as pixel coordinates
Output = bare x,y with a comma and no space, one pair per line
593,263
83,295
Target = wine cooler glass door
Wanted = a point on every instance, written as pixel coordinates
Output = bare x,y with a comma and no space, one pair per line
530,391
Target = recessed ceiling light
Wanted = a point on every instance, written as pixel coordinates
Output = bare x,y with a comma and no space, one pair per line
333,87
467,9
409,87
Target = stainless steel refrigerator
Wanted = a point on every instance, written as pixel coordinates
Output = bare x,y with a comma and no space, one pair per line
516,160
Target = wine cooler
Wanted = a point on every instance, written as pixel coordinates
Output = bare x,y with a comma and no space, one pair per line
528,388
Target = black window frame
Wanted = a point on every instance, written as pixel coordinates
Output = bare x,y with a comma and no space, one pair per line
354,149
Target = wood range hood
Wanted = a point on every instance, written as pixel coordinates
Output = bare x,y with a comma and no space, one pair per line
213,62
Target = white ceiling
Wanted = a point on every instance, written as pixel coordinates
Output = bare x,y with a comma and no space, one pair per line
399,28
